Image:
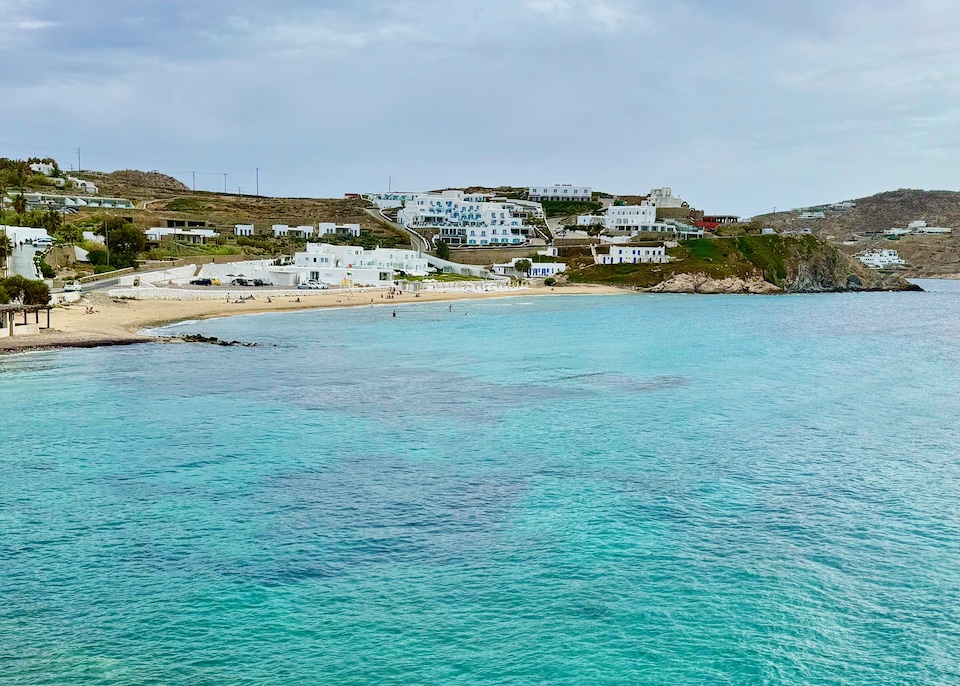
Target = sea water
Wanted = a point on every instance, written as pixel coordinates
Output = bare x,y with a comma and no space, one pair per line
570,490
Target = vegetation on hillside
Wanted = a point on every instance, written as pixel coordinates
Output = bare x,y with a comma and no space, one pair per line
568,208
775,258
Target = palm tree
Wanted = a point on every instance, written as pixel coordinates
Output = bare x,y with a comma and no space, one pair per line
20,204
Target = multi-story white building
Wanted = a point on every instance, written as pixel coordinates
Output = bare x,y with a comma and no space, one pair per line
391,199
664,198
354,257
879,259
630,218
474,219
345,265
632,254
560,191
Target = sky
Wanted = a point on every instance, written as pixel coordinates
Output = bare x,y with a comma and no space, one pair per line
738,105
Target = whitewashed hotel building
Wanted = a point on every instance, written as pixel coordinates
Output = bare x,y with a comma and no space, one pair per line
632,254
464,220
562,191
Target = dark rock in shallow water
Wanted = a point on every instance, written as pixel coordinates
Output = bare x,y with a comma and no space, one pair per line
212,340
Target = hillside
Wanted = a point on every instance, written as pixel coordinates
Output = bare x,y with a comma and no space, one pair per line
159,198
864,224
756,264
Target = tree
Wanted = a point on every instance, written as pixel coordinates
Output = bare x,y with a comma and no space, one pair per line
443,250
126,243
523,266
108,224
70,233
20,204
25,291
6,249
52,221
97,256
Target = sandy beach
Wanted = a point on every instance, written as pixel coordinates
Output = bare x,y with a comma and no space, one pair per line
122,322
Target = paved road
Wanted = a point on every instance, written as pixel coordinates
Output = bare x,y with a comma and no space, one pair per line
419,242
21,262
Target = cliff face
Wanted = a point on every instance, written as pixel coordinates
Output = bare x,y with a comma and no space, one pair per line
816,266
749,264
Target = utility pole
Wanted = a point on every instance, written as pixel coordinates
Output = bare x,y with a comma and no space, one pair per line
79,168
390,183
194,174
258,182
238,190
224,182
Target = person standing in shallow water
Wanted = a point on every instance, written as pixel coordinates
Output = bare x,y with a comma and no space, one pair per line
394,313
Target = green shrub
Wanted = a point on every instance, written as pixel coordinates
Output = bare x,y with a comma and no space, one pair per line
97,257
549,281
103,269
45,269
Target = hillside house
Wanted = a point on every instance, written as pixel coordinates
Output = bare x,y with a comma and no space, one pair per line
632,254
560,191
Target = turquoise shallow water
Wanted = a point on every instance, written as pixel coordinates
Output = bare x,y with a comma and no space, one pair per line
628,489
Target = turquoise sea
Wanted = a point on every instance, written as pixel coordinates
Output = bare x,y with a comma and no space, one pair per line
574,490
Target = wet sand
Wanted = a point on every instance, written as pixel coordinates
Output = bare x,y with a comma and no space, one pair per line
122,322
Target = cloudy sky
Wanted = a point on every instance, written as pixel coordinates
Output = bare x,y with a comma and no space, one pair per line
739,105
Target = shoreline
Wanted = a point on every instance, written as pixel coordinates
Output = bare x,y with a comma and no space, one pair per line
124,322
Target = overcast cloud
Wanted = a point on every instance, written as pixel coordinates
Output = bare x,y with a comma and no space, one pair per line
738,105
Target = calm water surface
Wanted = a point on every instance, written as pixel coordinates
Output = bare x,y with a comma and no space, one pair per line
593,490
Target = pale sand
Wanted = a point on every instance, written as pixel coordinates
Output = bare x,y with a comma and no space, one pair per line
122,322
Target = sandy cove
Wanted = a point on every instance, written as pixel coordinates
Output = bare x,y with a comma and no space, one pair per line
121,322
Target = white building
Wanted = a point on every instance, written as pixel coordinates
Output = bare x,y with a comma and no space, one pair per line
243,230
469,219
347,265
591,220
632,254
560,191
325,255
879,259
390,200
302,231
68,203
843,206
538,270
92,237
88,187
813,215
664,198
332,229
629,217
921,227
192,236
42,168
280,230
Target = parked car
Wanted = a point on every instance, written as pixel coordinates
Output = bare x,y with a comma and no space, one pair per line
261,282
311,286
201,282
240,282
42,242
73,287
